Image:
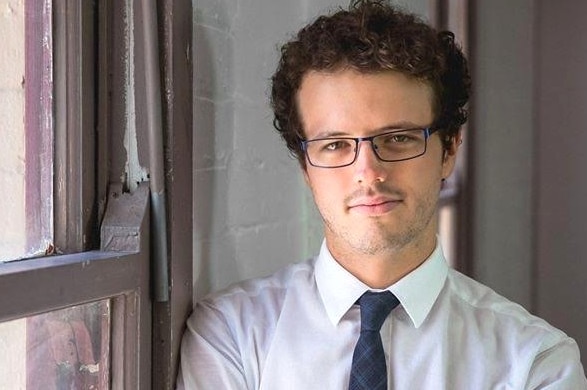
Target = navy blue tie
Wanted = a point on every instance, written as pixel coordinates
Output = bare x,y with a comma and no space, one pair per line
369,371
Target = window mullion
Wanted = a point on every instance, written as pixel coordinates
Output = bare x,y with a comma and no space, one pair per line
74,184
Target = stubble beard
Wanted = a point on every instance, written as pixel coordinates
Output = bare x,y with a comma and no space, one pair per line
382,239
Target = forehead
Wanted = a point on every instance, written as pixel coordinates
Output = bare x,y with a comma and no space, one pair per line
349,102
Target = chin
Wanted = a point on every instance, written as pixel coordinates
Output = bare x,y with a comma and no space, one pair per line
372,245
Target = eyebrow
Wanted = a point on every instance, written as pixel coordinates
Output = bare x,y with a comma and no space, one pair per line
383,129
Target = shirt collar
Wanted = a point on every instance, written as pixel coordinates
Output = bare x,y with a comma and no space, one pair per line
417,291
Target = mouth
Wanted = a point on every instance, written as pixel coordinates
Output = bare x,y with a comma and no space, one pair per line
373,207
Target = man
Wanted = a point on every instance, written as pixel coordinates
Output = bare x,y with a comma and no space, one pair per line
371,101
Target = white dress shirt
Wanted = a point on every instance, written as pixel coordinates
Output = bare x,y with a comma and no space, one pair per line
297,330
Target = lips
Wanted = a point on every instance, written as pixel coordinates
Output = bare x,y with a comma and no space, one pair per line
373,205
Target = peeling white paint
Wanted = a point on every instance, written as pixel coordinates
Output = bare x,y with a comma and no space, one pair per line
135,173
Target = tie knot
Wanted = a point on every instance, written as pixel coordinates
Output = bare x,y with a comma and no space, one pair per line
375,307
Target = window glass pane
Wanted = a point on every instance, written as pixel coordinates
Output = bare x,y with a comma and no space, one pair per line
26,125
64,349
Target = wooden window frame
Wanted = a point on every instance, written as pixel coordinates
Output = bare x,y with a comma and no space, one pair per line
102,249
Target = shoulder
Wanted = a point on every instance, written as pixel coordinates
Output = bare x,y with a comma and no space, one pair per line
541,353
229,332
259,297
506,320
483,300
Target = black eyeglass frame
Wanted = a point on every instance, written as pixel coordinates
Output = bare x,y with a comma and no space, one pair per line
428,131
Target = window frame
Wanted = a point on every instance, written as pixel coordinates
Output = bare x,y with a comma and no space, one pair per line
91,198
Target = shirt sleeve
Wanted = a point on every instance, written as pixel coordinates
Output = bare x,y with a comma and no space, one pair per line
558,368
210,357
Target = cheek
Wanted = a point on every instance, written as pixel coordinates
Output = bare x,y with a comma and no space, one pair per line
327,189
422,180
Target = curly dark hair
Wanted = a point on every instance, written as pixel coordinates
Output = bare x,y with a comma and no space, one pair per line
372,36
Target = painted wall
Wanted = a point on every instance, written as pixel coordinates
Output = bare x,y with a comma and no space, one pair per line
561,166
12,153
253,213
529,131
12,178
502,132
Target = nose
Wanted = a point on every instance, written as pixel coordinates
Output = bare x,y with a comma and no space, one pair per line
368,167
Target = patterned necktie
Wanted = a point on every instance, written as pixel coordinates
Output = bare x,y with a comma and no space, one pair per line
369,371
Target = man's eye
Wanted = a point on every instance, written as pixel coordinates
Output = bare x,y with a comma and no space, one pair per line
401,138
336,145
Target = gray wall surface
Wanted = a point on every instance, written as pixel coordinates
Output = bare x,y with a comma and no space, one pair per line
561,167
530,132
502,131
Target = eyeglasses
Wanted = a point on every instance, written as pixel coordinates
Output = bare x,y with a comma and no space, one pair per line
392,146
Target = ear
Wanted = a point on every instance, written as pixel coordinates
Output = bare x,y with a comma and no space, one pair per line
454,146
450,155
